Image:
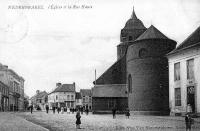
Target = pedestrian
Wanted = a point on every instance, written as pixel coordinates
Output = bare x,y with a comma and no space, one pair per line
58,109
68,110
62,110
78,120
47,109
114,112
81,110
188,122
86,111
127,113
54,108
31,107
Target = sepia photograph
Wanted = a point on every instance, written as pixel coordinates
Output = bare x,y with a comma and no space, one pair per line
99,65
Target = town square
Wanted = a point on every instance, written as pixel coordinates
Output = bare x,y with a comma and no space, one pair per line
102,66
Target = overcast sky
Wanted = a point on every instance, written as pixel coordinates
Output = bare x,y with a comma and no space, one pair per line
67,45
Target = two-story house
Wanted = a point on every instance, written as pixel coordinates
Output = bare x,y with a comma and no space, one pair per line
86,95
62,96
15,84
39,100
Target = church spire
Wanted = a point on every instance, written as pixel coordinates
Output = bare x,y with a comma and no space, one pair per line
133,16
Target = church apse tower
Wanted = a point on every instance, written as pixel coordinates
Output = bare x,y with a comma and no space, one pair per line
131,31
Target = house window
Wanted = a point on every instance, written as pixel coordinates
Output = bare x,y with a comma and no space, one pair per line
56,97
177,96
129,84
190,69
72,96
177,71
68,97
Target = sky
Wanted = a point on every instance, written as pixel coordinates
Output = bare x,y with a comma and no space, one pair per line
46,46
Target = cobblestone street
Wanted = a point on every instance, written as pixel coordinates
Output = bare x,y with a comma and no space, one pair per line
66,122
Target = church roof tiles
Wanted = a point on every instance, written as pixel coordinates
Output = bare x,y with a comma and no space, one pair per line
152,33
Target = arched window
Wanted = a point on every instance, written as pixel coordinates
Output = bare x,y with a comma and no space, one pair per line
129,84
143,53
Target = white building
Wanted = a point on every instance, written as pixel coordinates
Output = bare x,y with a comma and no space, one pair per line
62,96
184,75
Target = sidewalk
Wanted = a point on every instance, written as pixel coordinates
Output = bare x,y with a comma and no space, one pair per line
10,122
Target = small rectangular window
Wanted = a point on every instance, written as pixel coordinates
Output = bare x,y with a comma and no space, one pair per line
190,69
177,71
177,96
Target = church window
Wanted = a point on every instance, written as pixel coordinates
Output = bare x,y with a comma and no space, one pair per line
143,53
130,38
129,84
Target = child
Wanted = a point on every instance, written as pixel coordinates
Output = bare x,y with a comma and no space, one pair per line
188,122
78,120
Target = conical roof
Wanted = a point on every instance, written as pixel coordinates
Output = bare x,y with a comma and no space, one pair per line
134,22
152,33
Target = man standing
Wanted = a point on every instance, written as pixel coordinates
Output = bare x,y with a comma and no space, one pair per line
114,112
31,107
47,109
188,122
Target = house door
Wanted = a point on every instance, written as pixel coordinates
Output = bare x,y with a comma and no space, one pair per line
191,97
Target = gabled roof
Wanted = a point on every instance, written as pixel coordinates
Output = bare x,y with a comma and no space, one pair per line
192,40
65,88
152,33
110,90
86,92
78,95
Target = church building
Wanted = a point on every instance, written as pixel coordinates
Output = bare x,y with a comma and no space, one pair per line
140,72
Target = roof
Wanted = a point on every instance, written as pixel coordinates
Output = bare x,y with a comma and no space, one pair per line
86,92
78,95
115,74
152,33
111,90
190,41
40,95
65,88
134,22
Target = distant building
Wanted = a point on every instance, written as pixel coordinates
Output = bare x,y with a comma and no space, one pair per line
4,97
86,95
39,100
78,100
16,87
184,75
62,96
107,97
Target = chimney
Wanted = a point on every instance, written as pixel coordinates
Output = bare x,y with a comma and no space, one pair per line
38,91
74,86
58,84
